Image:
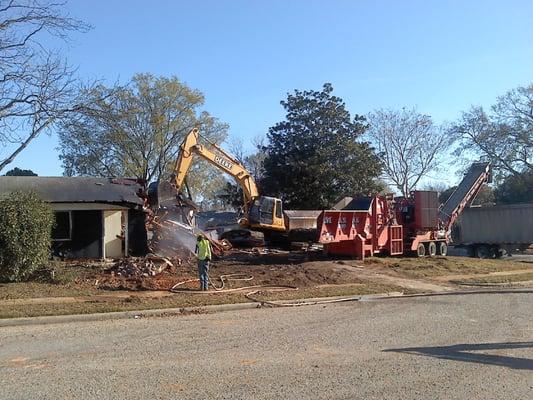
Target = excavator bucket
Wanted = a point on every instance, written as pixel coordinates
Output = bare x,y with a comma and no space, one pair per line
162,195
164,201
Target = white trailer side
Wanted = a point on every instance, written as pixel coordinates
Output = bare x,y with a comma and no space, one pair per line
487,230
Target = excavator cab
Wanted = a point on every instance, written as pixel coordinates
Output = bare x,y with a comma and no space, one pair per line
267,213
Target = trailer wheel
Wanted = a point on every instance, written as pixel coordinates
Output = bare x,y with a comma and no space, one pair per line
443,248
432,249
484,251
498,253
421,250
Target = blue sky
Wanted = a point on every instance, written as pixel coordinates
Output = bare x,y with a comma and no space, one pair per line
440,56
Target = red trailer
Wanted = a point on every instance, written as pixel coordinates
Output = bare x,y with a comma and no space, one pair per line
403,225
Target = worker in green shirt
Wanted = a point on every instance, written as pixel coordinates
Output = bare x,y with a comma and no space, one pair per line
203,252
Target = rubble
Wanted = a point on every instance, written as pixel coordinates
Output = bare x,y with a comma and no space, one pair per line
140,267
174,239
244,238
262,251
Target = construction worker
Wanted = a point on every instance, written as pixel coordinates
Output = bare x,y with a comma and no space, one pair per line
203,252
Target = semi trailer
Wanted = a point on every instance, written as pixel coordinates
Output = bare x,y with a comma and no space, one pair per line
490,232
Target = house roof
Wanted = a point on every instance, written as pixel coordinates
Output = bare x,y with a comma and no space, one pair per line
74,189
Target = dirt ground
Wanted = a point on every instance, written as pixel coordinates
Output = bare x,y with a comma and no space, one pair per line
82,287
289,269
298,269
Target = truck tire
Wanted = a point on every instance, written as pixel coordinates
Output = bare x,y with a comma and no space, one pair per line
421,250
483,251
432,249
442,249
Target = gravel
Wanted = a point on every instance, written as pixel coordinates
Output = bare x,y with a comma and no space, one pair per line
453,347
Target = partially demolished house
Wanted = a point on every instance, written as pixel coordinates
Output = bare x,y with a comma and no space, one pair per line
95,217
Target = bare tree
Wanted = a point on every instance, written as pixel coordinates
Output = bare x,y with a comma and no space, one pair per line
435,186
504,135
408,144
231,193
236,148
36,84
136,130
253,161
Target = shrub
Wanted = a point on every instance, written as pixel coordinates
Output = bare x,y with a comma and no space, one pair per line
25,235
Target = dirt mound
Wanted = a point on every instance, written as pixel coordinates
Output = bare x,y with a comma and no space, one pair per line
302,275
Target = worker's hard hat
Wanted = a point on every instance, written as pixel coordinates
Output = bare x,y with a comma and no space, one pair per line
200,236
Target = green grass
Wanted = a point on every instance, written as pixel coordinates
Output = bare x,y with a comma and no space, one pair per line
27,290
68,280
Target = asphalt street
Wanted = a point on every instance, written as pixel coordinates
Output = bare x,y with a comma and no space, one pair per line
449,347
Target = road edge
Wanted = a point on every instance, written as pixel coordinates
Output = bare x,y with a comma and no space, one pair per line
210,309
162,312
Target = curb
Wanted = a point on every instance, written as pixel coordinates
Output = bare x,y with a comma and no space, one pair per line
163,312
135,314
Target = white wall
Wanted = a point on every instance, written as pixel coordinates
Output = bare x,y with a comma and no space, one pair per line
113,232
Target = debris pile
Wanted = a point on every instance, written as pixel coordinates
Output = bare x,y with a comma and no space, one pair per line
175,239
140,267
172,239
244,238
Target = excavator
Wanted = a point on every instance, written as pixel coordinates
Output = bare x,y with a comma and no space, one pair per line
259,213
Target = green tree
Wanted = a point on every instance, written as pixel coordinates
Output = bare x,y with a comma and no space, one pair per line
315,156
25,236
445,194
515,189
485,196
504,135
135,131
231,195
20,172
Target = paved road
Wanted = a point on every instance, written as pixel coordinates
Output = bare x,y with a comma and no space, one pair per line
469,347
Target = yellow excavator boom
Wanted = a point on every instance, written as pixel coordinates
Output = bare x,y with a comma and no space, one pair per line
267,213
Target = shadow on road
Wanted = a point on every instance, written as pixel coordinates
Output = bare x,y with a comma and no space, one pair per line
466,353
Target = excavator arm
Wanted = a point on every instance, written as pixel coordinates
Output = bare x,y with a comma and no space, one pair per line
219,159
260,212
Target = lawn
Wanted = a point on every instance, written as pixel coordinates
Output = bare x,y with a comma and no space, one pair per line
84,287
440,266
69,279
498,279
